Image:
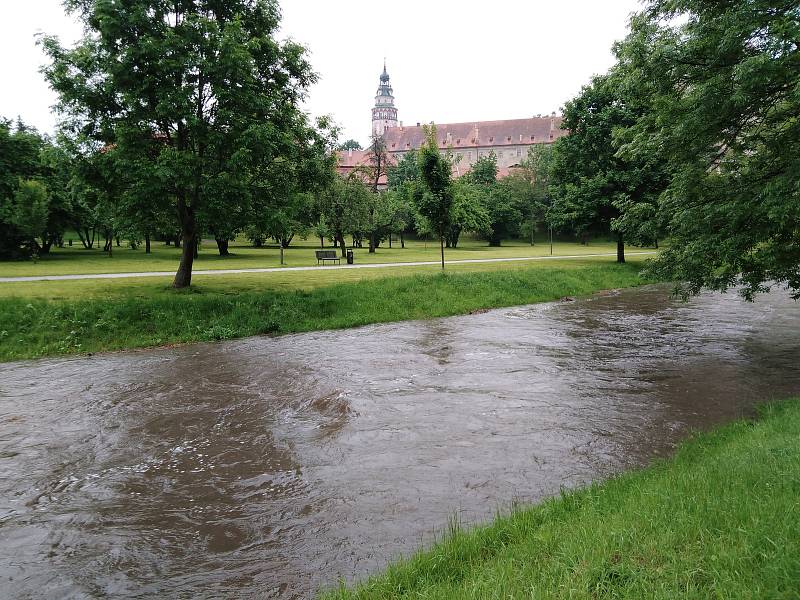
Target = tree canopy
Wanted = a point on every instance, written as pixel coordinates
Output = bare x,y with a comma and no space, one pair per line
723,78
200,90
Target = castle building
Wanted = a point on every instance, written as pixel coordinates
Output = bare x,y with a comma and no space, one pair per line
384,113
510,139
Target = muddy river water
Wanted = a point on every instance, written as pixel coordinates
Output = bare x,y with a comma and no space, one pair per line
270,467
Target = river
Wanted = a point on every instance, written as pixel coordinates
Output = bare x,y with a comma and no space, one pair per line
270,467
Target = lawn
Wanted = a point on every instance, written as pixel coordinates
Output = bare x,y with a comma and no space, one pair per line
719,520
70,317
77,260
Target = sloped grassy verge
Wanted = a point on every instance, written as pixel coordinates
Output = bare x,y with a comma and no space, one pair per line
31,328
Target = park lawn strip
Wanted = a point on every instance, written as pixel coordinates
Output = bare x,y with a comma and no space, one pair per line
77,261
34,327
237,283
719,520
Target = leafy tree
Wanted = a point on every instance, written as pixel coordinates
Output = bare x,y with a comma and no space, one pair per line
435,202
593,186
349,145
403,179
723,77
468,212
207,80
528,185
500,205
20,162
30,212
343,205
484,171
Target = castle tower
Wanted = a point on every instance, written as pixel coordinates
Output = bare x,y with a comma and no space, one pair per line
384,114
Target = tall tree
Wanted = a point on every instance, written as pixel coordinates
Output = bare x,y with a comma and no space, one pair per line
593,185
207,79
435,202
349,145
724,77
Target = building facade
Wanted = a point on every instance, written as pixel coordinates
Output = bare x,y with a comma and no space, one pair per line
509,139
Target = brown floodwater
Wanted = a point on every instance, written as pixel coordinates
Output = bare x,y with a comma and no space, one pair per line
271,467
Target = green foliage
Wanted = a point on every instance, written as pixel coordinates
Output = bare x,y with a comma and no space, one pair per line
723,77
201,93
349,145
595,190
25,224
719,520
30,210
344,205
435,198
468,213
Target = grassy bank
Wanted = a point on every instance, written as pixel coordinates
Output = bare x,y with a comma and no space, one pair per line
720,520
33,327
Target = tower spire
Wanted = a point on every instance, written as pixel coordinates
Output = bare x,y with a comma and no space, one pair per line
384,113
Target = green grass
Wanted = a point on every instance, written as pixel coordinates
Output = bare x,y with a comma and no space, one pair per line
719,520
76,260
141,314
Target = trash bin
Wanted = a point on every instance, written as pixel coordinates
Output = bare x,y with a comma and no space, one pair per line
349,257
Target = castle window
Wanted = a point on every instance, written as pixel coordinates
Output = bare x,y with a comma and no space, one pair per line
491,139
533,138
519,151
509,138
500,154
458,141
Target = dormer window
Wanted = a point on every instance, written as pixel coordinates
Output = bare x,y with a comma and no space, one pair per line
491,139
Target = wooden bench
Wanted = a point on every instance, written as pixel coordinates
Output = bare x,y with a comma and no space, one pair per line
323,255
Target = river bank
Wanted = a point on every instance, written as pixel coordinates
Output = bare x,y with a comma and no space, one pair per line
721,519
35,327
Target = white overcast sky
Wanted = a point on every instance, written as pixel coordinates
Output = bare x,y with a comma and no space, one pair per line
449,60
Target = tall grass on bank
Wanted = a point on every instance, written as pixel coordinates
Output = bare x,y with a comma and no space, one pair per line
32,328
720,520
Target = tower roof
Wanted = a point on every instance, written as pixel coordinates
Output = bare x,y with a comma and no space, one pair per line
384,75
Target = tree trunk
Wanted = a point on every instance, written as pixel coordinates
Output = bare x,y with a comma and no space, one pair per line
321,241
196,245
390,240
341,244
177,241
441,246
118,243
620,249
402,240
147,243
183,278
372,243
222,246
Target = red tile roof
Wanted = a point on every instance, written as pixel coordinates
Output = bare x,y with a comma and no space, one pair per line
512,132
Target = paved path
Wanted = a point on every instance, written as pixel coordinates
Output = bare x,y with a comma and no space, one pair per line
312,268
